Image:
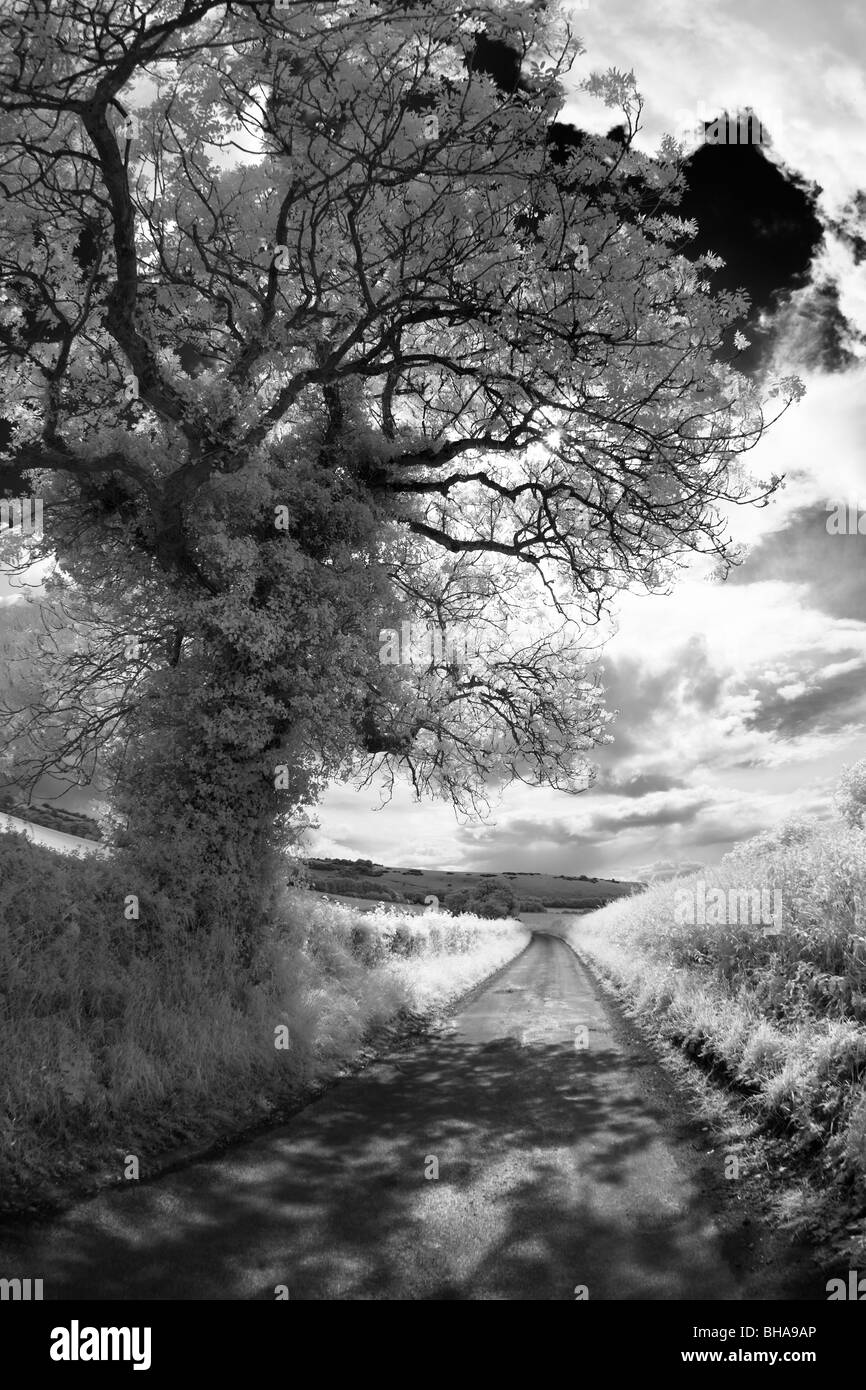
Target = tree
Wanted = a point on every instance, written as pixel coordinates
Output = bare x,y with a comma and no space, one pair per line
308,329
492,896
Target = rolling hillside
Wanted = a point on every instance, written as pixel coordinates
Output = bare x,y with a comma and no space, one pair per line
364,879
49,837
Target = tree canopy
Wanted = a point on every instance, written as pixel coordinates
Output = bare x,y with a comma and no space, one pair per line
309,326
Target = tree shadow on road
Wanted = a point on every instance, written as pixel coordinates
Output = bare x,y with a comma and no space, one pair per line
553,1173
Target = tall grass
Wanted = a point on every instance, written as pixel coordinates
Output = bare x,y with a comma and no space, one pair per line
781,1015
121,1036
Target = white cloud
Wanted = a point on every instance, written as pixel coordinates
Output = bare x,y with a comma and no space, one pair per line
781,58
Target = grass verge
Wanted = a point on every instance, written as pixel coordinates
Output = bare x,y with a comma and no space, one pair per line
120,1045
772,1009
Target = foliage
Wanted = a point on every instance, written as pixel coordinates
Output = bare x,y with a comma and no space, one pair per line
112,1027
357,888
492,896
308,328
780,1015
851,794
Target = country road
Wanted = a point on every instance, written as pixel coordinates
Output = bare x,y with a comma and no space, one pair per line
558,1166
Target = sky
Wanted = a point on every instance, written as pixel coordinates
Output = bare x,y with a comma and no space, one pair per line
738,702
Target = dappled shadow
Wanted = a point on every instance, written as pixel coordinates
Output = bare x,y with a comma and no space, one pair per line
553,1171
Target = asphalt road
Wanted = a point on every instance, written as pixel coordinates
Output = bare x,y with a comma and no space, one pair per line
560,1166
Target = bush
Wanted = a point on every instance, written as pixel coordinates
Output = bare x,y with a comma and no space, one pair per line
144,1029
490,898
851,794
782,1014
352,888
495,905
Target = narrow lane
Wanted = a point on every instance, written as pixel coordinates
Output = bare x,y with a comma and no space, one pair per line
559,1165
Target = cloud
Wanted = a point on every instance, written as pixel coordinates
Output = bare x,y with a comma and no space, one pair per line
684,678
319,846
780,57
663,811
738,702
663,869
639,783
822,701
831,569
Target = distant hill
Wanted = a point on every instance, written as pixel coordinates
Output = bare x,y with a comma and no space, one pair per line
59,840
51,816
362,878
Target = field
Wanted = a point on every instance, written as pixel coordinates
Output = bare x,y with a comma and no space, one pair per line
361,878
55,839
50,816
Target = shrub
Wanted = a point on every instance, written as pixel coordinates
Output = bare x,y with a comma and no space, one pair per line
851,794
491,897
147,1029
782,1014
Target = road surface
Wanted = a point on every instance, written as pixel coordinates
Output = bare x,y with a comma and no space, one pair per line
561,1168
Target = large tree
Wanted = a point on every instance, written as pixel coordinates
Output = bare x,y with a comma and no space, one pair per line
311,326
